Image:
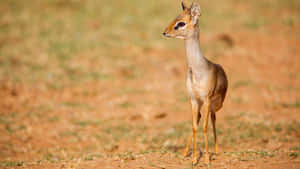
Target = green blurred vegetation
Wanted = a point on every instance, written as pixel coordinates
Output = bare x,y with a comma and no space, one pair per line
62,43
59,42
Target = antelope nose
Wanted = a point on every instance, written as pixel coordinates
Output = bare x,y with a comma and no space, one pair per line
164,33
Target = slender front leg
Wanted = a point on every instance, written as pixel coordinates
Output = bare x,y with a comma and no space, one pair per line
186,150
213,120
206,111
195,106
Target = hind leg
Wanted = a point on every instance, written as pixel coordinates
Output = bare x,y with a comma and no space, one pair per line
213,120
206,112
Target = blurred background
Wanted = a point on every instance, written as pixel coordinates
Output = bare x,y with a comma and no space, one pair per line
86,83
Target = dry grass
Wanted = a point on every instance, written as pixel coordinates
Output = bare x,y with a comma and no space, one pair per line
93,83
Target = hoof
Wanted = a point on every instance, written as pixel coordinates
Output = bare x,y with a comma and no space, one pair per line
216,150
207,159
186,153
195,160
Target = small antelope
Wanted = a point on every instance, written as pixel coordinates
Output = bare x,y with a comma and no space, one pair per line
206,81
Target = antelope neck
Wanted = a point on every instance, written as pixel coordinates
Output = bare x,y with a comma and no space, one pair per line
196,61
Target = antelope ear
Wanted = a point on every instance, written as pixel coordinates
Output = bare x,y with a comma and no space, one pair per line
195,12
183,6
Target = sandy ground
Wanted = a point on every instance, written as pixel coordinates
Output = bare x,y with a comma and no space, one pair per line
140,116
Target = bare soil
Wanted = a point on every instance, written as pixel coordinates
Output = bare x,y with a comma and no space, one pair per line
139,116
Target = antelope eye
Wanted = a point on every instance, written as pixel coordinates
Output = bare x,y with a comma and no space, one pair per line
178,25
181,24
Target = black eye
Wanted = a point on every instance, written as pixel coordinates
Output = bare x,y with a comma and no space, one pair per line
180,24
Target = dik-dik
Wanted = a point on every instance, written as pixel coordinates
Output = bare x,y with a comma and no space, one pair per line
206,81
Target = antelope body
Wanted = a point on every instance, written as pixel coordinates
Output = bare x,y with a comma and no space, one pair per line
206,81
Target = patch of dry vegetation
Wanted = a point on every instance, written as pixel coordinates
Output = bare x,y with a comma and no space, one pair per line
93,83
